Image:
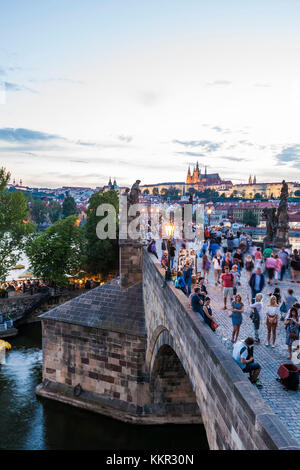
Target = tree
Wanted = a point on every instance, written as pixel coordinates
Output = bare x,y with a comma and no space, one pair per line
14,225
249,218
38,211
56,252
155,192
69,207
54,211
146,191
102,256
297,193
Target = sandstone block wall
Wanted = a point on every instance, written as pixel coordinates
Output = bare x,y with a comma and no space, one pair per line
107,363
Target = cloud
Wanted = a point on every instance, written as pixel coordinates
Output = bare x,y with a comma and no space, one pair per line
149,98
262,85
207,145
289,154
219,83
192,154
15,87
20,135
234,159
125,138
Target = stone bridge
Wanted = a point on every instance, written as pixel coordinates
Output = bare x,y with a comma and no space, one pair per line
134,350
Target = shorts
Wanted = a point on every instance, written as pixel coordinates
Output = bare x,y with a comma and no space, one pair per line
228,290
250,367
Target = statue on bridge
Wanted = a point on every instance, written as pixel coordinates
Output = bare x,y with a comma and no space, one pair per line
278,222
282,232
271,221
133,197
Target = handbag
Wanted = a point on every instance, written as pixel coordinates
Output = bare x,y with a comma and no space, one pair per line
283,308
214,325
293,335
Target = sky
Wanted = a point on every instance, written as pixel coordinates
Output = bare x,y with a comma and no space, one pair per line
139,89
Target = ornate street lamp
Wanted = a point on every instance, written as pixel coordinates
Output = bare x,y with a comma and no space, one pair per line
169,230
209,212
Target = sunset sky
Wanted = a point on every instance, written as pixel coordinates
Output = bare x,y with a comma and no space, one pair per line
140,89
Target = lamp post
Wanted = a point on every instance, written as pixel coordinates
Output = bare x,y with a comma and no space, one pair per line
169,230
209,212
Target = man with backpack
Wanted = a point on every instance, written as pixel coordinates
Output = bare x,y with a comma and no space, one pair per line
243,356
228,283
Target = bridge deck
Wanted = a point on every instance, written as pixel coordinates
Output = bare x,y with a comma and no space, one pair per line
286,404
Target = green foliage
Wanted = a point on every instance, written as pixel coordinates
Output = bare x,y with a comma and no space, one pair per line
56,252
102,256
249,218
13,224
208,194
38,210
172,193
69,207
155,192
54,211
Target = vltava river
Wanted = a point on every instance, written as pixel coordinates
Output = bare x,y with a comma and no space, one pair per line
27,422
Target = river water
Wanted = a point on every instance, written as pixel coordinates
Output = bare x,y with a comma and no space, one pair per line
28,422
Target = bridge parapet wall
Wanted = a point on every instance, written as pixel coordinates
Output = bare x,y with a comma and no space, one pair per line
233,412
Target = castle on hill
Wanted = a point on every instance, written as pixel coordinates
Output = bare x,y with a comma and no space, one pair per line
200,180
197,180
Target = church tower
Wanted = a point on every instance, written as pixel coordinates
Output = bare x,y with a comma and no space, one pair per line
196,174
189,177
250,180
254,180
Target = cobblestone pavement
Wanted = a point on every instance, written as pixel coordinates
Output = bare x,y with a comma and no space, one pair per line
285,403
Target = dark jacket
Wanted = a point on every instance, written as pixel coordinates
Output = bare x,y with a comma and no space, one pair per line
261,282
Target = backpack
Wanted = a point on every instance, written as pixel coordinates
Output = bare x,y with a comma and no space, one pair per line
177,284
254,315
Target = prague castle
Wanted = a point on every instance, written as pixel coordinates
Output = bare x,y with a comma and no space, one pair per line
200,181
197,180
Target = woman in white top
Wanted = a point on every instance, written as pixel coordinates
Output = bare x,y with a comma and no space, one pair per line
256,308
272,314
217,262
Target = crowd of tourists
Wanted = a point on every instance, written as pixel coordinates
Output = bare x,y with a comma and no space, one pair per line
10,288
228,255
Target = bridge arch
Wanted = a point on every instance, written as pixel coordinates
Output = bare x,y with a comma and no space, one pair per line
171,391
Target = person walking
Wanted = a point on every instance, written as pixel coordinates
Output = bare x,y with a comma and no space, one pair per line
172,255
205,266
270,267
217,263
292,325
258,258
295,265
226,262
256,283
249,266
278,267
272,313
237,308
228,283
187,275
284,257
256,315
289,300
237,278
